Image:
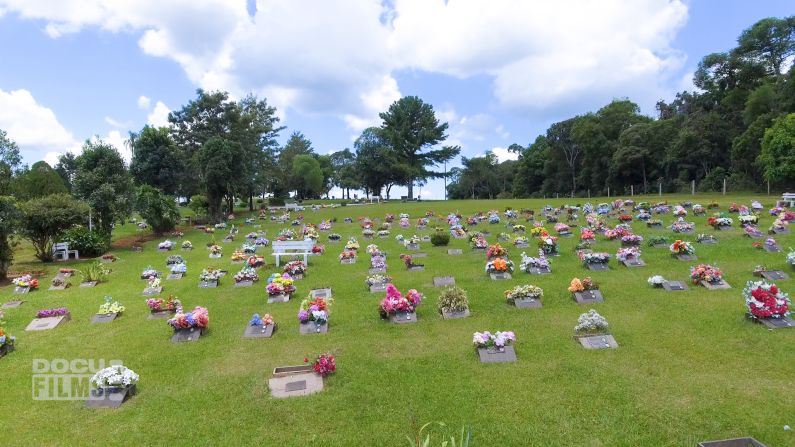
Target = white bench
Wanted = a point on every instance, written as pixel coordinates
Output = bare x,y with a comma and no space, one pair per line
293,207
61,252
787,199
292,248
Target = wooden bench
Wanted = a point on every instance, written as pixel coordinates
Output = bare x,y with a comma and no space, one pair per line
61,252
292,248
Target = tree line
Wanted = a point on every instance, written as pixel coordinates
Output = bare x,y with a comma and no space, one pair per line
739,127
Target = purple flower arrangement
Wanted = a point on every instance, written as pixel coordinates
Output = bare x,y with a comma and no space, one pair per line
47,313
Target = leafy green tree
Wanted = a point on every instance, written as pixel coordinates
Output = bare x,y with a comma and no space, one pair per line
199,205
156,160
769,42
410,128
9,223
345,175
43,220
67,168
327,168
778,150
39,181
296,145
529,177
309,175
10,162
158,210
102,180
376,164
217,161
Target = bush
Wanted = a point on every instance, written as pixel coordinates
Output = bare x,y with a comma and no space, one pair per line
276,201
440,239
452,299
199,205
88,243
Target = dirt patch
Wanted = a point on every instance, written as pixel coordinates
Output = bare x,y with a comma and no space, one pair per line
130,241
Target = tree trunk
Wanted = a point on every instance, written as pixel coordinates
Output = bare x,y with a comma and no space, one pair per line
411,189
251,201
214,208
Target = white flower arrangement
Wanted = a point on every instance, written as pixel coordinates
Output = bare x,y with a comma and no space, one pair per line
591,323
791,257
116,376
656,281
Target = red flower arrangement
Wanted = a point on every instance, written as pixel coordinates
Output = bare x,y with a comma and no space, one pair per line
765,300
324,364
625,218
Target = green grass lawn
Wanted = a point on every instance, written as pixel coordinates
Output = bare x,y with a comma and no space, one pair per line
689,367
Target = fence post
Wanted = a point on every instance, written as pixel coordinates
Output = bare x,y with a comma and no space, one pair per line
660,186
632,190
608,191
724,186
692,187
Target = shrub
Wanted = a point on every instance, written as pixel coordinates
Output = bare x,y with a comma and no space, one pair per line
276,201
440,239
199,205
94,272
159,210
88,243
453,299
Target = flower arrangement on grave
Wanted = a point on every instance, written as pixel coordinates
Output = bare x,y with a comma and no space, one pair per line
707,273
479,243
594,258
660,208
199,317
249,249
653,222
751,230
324,365
548,244
602,208
457,232
373,250
368,233
499,265
519,228
471,221
59,281
314,311
215,249
96,272
748,219
584,245
318,249
5,339
413,240
643,215
165,245
158,304
294,268
719,221
712,205
66,271
680,247
657,240
149,272
705,237
771,242
286,234
632,239
537,231
378,262
324,225
377,279
498,340
255,261
141,225
334,236
114,376
310,232
627,253
220,226
591,323
383,233
765,300
494,218
110,307
394,302
280,284
47,313
510,214
656,281
680,226
404,222
251,236
680,211
452,299
238,256
422,222
562,228
347,254
26,281
791,257
616,233
187,245
265,320
587,234
175,259
352,244
109,257
551,218
495,251
524,292
153,282
624,218
210,274
520,240
779,224
734,208
643,206
389,217
246,274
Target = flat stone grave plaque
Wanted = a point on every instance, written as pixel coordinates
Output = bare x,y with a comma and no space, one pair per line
187,248
660,245
455,251
348,261
781,230
546,270
215,256
189,334
227,240
12,304
149,291
61,287
527,303
426,239
244,283
298,276
295,385
161,250
674,286
83,285
685,257
653,225
161,314
312,328
208,284
440,281
588,297
240,261
494,355
716,286
566,234
413,247
771,248
374,271
736,442
109,397
754,234
709,241
21,290
486,233
108,261
419,255
777,323
500,276
259,331
634,262
320,293
173,276
774,275
64,275
403,318
521,245
723,228
375,288
598,266
453,315
104,318
685,231
45,324
416,268
598,341
282,298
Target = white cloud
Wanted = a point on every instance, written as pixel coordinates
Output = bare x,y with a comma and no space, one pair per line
143,102
339,58
504,154
115,139
32,126
158,117
116,123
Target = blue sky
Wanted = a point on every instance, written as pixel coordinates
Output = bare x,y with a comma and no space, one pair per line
497,72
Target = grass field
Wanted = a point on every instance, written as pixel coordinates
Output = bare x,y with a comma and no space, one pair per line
689,367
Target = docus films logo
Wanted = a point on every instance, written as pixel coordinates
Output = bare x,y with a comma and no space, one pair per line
61,379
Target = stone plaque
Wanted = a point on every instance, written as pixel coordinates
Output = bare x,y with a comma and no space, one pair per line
455,251
426,238
87,284
299,384
109,397
61,287
771,248
736,442
674,286
215,256
598,266
375,288
566,234
282,298
495,355
374,271
103,318
527,303
312,328
654,225
21,290
777,323
723,228
320,293
716,286
419,255
439,281
348,261
521,245
686,231
754,234
660,245
244,283
781,230
12,304
540,270
161,314
685,257
161,250
208,284
709,241
260,331
453,315
189,334
403,318
598,341
173,276
774,275
149,291
500,276
588,297
416,268
634,262
45,324
413,247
